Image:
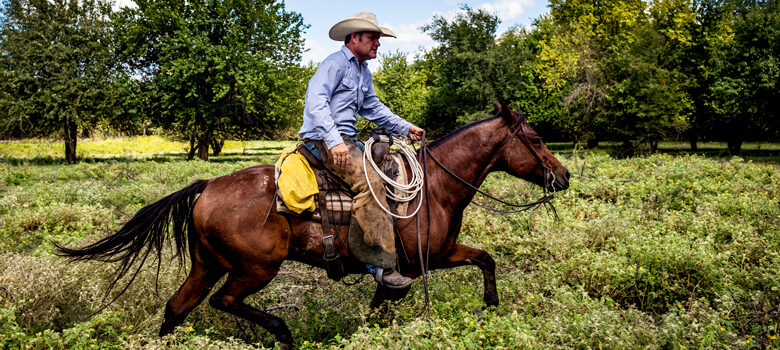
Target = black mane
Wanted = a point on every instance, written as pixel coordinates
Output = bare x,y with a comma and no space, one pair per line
459,130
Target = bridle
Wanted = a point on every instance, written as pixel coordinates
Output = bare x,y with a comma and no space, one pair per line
518,130
549,175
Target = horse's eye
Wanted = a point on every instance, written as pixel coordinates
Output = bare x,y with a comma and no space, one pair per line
536,141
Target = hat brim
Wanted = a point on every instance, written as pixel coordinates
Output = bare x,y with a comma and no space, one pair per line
340,30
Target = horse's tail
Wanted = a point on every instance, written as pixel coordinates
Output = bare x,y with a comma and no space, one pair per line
144,233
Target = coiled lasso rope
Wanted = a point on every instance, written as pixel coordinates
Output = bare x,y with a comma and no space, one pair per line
406,192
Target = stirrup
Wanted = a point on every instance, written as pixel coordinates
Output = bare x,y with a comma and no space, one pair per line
379,278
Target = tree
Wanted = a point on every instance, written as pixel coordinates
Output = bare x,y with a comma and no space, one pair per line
519,83
463,70
56,68
402,86
744,93
616,62
648,98
212,67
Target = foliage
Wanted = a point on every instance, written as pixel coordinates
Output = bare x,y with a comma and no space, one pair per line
56,68
617,63
743,95
403,86
214,68
657,251
463,69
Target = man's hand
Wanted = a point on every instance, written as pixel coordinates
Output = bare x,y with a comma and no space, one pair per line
341,157
415,133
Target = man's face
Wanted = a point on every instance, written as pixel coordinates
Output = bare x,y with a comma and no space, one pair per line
365,45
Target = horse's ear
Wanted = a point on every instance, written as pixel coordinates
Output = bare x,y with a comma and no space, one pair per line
505,111
520,115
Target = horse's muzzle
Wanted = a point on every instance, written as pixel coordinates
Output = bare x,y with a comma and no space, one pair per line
558,182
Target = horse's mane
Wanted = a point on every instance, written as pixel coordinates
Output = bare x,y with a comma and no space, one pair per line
459,130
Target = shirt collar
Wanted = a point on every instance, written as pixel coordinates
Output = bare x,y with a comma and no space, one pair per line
348,53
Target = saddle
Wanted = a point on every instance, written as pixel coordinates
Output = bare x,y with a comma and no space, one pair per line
333,203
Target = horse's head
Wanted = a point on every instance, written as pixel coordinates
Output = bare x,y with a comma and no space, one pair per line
524,155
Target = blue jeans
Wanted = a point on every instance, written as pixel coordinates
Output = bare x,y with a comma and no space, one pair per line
313,149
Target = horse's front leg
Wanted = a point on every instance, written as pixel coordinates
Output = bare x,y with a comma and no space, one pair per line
464,255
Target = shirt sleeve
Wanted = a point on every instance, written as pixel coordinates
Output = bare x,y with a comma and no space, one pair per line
318,99
376,112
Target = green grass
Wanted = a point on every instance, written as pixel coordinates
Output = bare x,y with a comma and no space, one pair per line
660,251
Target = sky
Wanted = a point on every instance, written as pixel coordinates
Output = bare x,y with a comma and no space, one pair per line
404,17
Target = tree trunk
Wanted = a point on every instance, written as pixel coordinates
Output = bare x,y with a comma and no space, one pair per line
193,148
735,145
203,146
71,135
653,146
593,143
736,135
216,145
693,137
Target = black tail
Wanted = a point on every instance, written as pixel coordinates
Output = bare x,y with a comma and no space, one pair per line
144,233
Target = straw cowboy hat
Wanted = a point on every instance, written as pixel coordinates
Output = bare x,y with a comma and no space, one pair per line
359,22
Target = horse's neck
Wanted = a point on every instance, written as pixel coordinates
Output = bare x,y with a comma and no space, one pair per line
471,155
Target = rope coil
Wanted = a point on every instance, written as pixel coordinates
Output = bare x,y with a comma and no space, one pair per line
399,192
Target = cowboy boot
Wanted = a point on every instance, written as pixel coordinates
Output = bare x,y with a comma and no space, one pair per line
390,278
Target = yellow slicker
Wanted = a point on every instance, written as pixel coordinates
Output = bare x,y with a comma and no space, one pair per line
296,181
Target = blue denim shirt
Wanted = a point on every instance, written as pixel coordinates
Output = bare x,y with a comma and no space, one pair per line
341,89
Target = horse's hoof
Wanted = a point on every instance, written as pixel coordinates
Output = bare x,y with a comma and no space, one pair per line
285,346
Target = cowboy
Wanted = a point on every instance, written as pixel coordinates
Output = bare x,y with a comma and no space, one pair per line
341,89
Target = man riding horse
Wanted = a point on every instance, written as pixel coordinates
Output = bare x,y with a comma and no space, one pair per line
341,89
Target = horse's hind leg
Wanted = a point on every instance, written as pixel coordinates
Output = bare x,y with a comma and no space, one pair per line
230,298
190,294
464,255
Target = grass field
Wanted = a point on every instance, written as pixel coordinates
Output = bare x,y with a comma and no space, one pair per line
662,251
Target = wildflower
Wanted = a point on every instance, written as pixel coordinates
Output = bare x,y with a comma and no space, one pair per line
723,329
532,296
305,342
773,337
456,338
190,329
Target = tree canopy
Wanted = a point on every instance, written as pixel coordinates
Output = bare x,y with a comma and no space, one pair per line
56,68
213,66
635,71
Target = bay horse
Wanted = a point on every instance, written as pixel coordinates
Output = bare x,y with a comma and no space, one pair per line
225,232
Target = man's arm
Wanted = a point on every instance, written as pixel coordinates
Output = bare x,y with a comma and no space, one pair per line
376,112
